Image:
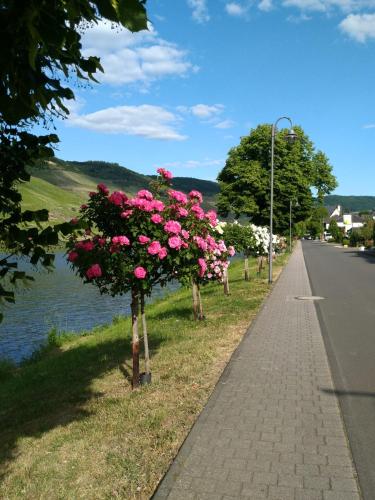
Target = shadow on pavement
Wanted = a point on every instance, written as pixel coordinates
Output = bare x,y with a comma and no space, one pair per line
340,392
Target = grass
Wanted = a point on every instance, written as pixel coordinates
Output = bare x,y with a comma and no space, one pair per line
70,426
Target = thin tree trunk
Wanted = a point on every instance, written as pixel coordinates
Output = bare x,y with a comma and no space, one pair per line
145,335
260,264
135,338
195,299
201,315
226,282
246,269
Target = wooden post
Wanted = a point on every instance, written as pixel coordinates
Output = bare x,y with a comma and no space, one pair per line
135,337
201,315
195,299
226,282
246,269
145,335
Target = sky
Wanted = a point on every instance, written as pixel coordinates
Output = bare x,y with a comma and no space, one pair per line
183,93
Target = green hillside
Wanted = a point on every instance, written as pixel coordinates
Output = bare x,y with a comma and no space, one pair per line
351,203
62,186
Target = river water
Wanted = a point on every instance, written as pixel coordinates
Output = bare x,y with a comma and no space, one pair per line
57,300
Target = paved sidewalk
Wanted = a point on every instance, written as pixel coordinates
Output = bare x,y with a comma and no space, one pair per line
269,431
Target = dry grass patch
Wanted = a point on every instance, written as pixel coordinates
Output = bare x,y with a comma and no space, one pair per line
72,428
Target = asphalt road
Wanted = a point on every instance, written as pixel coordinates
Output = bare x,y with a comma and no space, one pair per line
346,278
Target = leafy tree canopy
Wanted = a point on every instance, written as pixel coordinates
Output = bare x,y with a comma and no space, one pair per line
40,59
245,179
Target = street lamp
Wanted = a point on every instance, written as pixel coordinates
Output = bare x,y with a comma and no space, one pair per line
291,136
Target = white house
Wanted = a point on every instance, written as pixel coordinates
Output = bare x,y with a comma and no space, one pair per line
345,221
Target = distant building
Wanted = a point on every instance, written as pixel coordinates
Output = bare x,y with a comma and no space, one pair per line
345,221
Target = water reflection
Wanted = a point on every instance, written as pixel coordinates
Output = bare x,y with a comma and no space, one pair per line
60,300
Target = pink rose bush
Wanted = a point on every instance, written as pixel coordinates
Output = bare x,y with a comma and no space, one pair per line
135,243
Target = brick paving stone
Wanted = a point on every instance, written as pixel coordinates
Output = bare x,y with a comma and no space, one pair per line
272,428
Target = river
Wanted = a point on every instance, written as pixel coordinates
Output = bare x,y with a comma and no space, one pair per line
57,300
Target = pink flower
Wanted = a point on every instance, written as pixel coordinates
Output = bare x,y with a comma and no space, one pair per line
182,212
120,240
126,214
231,250
143,239
154,248
84,206
156,218
211,243
212,217
165,173
201,243
142,204
185,234
103,188
178,196
202,267
140,272
118,198
196,196
74,221
198,211
143,193
172,226
72,256
87,246
157,205
163,253
92,193
175,242
101,241
95,271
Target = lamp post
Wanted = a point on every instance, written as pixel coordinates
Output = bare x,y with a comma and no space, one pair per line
290,137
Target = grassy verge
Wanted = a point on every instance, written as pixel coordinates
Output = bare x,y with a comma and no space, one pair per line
70,427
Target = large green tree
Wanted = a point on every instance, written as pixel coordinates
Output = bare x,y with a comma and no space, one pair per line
245,178
41,59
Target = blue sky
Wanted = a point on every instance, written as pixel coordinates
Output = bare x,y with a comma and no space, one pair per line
182,94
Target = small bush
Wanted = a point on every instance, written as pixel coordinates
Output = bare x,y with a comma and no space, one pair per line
345,241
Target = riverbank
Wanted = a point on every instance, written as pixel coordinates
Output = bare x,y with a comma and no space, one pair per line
72,427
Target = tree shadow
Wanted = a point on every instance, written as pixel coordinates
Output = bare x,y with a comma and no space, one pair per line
54,391
367,255
342,393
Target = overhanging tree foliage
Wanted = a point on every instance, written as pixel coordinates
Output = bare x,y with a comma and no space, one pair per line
245,179
40,59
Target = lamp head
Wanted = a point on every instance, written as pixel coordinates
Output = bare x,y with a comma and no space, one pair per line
291,136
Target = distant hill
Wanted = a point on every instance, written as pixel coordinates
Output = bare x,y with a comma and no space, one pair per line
62,186
351,203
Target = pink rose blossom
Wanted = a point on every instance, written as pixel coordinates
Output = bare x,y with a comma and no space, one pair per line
118,198
142,204
200,243
154,248
202,267
143,193
72,256
101,241
211,215
198,211
211,243
120,240
92,193
162,253
74,221
231,250
178,196
143,239
103,188
182,212
126,214
95,271
185,245
185,234
140,272
172,226
196,196
156,218
87,246
166,174
157,205
84,206
175,242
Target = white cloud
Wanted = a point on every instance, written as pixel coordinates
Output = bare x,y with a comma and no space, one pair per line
235,9
225,124
151,122
134,57
265,5
206,112
200,11
359,26
370,125
329,5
